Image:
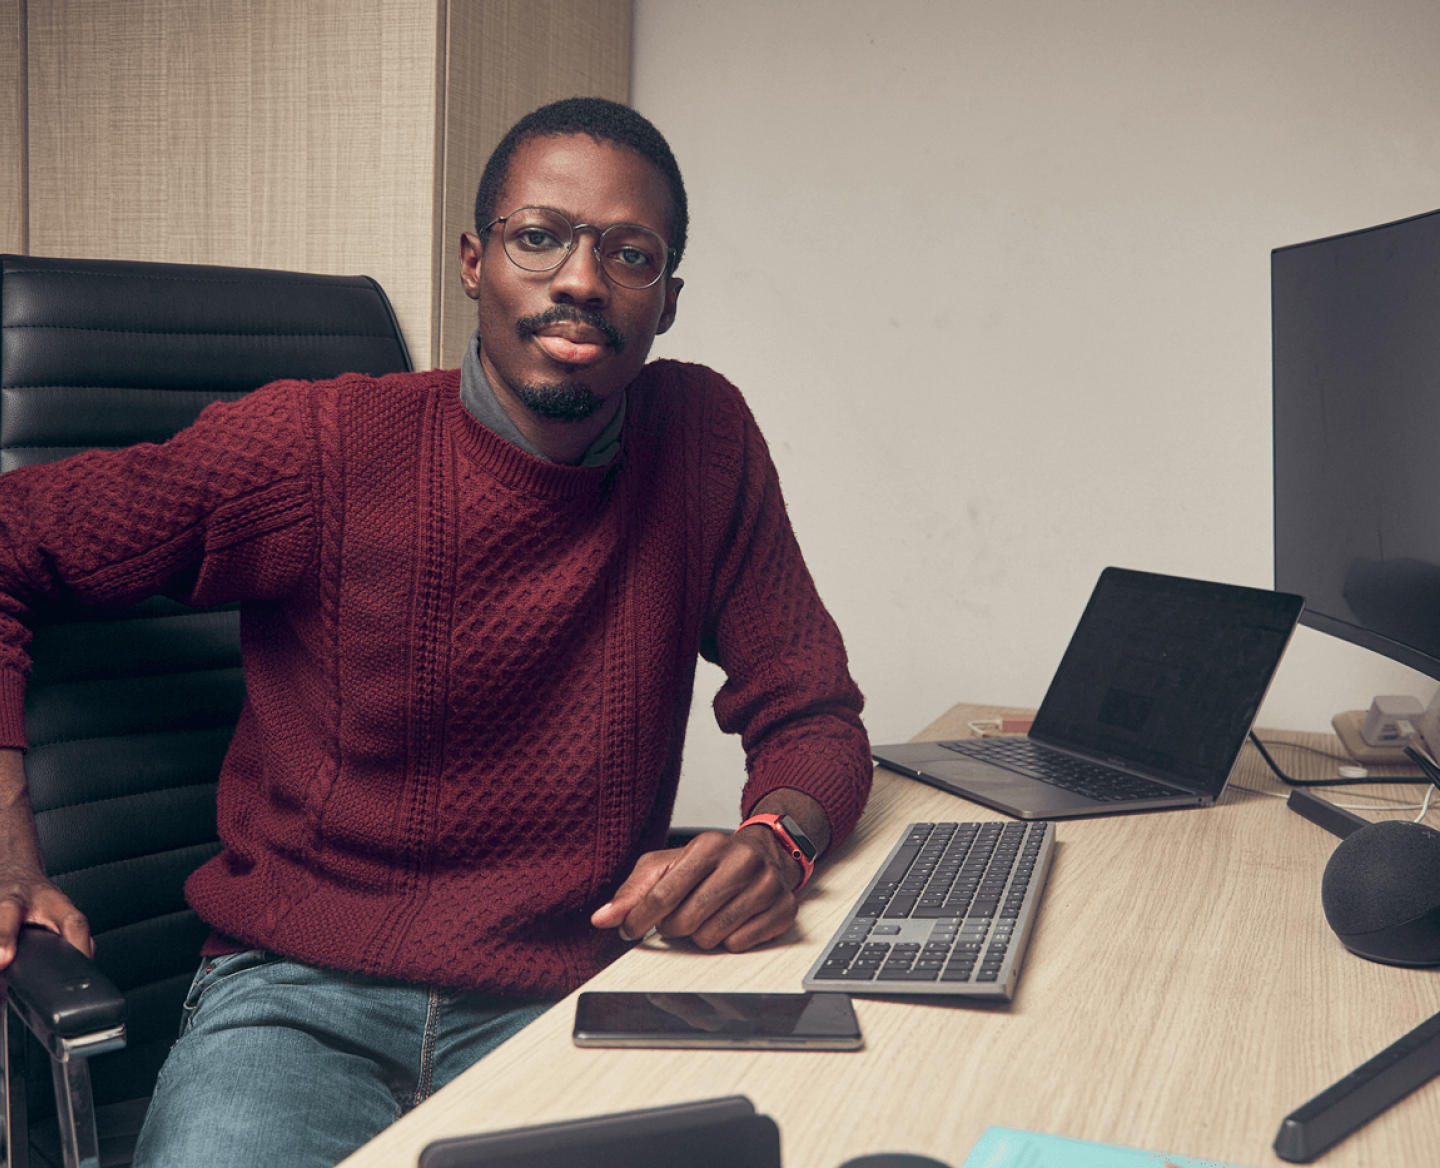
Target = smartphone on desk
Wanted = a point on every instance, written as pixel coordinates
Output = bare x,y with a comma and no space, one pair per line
819,1021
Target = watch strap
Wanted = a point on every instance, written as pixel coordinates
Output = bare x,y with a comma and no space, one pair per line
794,839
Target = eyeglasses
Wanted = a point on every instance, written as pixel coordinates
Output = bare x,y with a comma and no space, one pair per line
539,239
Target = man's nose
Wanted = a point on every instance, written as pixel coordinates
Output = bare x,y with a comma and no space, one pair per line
580,278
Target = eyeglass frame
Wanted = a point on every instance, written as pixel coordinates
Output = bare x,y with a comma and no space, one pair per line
575,230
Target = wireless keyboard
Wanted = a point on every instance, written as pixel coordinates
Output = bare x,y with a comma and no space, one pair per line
949,912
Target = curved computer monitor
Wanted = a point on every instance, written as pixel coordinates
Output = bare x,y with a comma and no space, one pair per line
1356,335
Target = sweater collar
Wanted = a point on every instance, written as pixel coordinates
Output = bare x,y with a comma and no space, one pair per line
511,467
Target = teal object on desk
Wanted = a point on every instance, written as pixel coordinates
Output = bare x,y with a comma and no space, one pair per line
1006,1147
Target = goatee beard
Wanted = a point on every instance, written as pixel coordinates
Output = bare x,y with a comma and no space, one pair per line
560,401
564,401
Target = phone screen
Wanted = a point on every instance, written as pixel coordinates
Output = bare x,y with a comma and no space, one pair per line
765,1021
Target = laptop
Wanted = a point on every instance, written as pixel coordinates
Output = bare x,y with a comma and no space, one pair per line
1154,697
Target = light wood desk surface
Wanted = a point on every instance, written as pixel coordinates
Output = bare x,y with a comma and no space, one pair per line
1182,993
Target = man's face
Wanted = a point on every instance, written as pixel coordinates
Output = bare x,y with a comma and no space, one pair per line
566,342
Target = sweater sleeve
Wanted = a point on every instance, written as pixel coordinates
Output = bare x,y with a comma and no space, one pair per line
788,690
221,512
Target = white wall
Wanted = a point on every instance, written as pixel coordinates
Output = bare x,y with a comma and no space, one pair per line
994,276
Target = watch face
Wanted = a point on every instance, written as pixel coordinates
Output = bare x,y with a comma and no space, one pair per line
797,833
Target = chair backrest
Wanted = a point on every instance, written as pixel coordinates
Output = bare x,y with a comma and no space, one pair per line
129,713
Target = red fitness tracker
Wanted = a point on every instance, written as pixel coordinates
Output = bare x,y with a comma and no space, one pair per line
796,842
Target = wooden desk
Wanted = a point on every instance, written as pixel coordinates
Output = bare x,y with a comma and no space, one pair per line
1182,993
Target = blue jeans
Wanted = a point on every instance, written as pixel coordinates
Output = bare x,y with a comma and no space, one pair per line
280,1063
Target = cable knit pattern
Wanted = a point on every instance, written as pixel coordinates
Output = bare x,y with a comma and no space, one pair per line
469,671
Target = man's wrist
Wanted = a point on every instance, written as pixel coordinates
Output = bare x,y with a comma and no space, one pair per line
792,838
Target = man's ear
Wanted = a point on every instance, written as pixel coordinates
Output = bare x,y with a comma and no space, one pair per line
673,284
471,256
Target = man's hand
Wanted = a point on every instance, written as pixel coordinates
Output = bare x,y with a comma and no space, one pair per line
731,890
30,900
26,896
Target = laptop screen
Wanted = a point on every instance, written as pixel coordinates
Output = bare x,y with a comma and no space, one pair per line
1167,674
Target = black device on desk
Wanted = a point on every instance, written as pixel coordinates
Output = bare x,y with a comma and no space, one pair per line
712,1133
1383,900
1381,886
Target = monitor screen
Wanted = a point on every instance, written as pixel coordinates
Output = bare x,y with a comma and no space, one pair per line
1356,342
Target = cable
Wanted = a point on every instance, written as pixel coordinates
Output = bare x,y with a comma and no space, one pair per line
1423,761
1425,807
1425,764
1289,782
1338,756
1381,802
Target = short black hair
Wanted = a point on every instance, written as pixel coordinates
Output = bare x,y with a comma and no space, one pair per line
605,121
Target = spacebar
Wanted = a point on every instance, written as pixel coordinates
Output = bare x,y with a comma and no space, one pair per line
895,871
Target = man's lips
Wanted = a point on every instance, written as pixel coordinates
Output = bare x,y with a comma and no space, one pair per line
572,344
571,335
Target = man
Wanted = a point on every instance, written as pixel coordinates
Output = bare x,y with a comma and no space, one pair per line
473,600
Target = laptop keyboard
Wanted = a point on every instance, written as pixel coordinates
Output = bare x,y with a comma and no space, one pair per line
1101,783
949,912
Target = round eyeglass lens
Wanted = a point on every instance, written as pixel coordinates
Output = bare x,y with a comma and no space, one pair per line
538,240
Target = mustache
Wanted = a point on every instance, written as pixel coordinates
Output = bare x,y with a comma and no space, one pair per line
528,326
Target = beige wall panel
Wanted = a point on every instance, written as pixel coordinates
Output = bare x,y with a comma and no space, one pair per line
276,133
139,130
506,57
277,143
12,126
372,162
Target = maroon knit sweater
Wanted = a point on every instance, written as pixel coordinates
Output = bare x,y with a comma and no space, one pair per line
468,670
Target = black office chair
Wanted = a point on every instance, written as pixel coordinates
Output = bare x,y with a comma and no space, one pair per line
129,713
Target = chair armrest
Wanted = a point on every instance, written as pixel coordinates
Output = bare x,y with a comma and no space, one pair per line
62,997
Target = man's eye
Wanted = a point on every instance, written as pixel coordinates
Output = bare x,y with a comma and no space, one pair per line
633,257
537,239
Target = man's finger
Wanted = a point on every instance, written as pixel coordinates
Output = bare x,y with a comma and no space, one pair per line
11,915
76,929
659,884
762,928
756,912
650,869
735,885
706,876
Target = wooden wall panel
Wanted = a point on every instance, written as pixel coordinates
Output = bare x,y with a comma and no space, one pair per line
273,133
12,126
505,58
372,160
